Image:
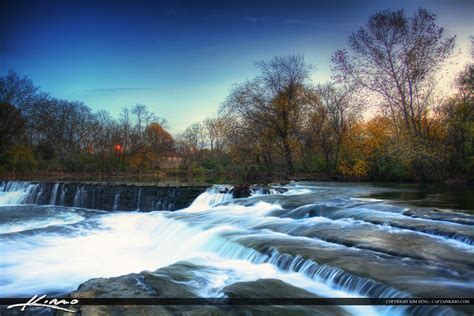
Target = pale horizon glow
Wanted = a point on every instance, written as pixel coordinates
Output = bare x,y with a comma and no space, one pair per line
181,60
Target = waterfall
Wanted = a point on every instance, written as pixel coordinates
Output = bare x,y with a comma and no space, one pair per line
274,191
264,191
63,195
116,201
213,196
139,198
80,198
54,194
18,192
39,193
98,196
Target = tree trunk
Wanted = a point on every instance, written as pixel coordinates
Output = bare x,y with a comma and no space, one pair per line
288,158
336,158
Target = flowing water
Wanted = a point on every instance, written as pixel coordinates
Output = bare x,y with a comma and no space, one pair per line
331,239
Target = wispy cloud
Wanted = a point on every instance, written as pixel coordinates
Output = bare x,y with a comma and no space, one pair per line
318,24
224,16
254,19
262,19
243,18
118,89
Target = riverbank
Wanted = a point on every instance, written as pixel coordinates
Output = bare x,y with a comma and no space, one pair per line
146,179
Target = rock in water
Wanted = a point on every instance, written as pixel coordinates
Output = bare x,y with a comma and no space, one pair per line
170,282
241,191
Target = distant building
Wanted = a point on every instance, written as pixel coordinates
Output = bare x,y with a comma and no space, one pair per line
169,160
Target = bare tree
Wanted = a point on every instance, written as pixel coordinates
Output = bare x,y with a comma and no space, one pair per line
19,92
217,130
396,57
342,108
191,142
271,105
12,126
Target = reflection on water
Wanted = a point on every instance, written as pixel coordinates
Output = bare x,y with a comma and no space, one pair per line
457,197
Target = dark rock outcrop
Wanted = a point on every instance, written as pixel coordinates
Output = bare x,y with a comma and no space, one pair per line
173,282
273,288
241,191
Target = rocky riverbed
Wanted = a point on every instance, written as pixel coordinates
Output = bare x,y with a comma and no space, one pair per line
171,282
301,239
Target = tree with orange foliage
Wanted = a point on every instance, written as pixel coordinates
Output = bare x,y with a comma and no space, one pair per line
158,139
373,149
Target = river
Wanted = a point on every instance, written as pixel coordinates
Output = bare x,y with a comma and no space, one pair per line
330,239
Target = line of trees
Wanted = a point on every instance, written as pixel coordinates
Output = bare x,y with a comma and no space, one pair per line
38,132
278,122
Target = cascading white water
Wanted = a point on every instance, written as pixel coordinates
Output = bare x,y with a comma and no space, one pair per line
213,196
38,194
139,198
136,242
241,240
63,195
116,201
80,197
14,192
96,196
54,195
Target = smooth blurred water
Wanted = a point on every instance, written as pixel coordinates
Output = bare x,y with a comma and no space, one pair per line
332,239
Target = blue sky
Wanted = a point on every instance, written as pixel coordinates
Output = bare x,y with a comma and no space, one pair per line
180,58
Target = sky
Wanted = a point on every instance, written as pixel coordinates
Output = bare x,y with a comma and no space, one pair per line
181,58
